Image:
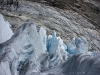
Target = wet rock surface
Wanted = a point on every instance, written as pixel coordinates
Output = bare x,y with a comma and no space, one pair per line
90,9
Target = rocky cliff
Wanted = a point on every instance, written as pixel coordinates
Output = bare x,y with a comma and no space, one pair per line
67,23
90,9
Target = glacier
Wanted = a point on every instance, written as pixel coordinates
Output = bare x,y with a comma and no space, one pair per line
79,64
56,49
32,52
5,28
78,45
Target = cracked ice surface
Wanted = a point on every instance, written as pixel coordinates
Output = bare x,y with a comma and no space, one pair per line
57,49
27,47
78,45
29,52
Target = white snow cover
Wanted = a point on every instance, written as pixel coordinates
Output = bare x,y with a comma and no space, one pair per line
5,31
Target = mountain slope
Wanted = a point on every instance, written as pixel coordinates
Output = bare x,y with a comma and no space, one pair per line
66,23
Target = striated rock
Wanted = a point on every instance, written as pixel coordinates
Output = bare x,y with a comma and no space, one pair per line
88,8
66,23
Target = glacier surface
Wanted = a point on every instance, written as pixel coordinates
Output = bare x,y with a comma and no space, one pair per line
29,52
78,45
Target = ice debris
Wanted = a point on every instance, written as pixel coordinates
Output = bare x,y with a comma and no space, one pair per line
78,45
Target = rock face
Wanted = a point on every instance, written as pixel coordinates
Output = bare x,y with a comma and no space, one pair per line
87,8
66,23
